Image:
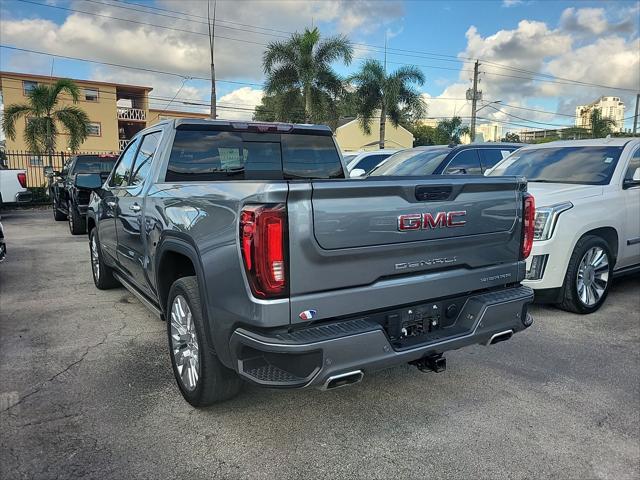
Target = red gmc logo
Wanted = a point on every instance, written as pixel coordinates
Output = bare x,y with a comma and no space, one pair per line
426,221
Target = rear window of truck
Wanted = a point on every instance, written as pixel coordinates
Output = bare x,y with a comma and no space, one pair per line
209,155
94,163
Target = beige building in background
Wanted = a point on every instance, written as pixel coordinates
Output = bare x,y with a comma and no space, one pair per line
157,115
116,111
610,107
351,138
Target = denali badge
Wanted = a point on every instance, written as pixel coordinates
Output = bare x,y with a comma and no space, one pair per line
426,263
307,314
426,221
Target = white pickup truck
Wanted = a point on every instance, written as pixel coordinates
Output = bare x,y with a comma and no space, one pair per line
13,187
587,223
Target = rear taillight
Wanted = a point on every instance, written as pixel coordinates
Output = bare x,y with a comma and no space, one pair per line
262,241
528,225
22,178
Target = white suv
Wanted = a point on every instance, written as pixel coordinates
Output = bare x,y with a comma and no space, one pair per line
587,222
361,163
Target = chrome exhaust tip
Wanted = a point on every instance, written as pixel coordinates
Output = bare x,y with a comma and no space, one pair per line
343,380
500,337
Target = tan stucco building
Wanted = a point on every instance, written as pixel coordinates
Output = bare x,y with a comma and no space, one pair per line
157,115
351,138
116,111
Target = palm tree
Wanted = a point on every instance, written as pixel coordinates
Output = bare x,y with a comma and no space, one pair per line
303,64
450,131
44,116
600,126
392,95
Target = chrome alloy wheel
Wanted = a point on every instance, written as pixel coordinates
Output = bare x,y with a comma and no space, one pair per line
95,259
184,343
593,276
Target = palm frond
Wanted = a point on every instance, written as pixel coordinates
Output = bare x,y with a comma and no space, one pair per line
332,49
38,134
281,79
75,121
11,114
409,74
63,85
279,52
39,100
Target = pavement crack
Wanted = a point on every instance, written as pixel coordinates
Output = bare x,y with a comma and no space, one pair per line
65,369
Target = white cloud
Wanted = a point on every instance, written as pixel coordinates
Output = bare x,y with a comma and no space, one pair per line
594,21
183,52
587,46
239,104
511,3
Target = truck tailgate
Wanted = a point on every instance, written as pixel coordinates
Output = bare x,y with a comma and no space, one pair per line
348,234
366,213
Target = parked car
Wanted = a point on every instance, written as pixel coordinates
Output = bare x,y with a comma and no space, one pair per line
587,224
271,266
13,187
472,159
71,188
3,245
361,163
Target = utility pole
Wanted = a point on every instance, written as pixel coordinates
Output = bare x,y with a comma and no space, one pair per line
474,95
212,39
635,117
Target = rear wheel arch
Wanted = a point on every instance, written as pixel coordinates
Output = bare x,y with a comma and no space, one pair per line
171,254
175,258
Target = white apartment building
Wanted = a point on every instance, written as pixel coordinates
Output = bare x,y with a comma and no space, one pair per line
611,107
488,132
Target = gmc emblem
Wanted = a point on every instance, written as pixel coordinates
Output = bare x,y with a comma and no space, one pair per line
426,221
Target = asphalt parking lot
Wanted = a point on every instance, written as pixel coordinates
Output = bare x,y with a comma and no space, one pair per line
86,391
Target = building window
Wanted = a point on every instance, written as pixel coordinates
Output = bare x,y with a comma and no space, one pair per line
94,129
36,161
91,94
28,85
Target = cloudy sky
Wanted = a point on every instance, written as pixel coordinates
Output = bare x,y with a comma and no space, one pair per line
536,56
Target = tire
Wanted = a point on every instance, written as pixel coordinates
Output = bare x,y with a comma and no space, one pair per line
102,274
214,382
58,216
588,278
77,223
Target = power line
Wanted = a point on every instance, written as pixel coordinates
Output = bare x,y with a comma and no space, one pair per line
110,64
243,107
525,119
442,57
378,50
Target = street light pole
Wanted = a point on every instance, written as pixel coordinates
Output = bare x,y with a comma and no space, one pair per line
485,105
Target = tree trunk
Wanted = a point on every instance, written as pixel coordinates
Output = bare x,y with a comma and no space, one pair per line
49,142
383,124
307,105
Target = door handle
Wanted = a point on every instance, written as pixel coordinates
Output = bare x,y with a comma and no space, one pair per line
111,203
135,207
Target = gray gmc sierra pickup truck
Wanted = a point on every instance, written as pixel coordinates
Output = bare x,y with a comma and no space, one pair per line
271,265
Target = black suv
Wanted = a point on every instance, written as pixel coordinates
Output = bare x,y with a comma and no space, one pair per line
71,188
472,159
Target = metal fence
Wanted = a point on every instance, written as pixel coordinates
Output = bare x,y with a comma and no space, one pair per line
34,164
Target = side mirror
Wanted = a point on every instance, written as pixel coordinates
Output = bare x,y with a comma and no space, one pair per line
633,181
357,172
49,172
